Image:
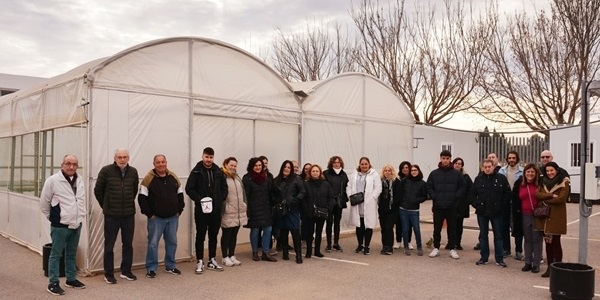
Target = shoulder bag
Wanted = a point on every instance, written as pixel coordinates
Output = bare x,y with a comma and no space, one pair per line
358,198
540,211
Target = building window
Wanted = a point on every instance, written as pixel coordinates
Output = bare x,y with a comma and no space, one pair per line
447,146
575,154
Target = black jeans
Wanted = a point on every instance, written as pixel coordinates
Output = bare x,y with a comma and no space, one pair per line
312,226
211,223
439,215
459,229
363,234
111,230
387,221
506,230
229,240
333,222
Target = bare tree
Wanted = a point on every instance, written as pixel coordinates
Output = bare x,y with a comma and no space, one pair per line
535,65
319,52
431,59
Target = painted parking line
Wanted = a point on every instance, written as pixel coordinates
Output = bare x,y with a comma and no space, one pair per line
343,260
548,288
577,221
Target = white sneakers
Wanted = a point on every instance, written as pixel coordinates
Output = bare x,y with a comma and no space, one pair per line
212,265
435,252
235,261
410,246
227,262
200,267
454,254
396,245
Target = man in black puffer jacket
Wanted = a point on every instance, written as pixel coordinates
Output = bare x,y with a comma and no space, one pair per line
489,195
115,190
445,186
207,183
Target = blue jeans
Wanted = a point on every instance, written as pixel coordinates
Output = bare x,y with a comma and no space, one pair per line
63,239
410,219
484,229
158,227
266,238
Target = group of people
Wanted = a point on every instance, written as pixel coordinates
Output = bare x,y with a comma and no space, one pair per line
302,204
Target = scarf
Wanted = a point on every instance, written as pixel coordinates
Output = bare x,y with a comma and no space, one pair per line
550,183
337,171
259,178
228,173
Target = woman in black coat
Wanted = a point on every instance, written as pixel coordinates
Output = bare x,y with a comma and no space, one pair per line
338,179
463,208
411,191
258,195
289,192
319,196
388,208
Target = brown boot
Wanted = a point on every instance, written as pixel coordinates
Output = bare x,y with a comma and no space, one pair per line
255,256
547,273
268,257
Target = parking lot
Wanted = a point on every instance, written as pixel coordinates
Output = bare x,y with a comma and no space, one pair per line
344,275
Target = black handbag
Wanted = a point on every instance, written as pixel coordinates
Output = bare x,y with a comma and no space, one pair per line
356,199
279,210
320,213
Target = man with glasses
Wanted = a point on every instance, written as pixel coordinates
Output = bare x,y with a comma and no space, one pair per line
546,157
61,202
115,190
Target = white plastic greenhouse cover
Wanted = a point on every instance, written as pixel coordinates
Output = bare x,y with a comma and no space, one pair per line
172,96
354,115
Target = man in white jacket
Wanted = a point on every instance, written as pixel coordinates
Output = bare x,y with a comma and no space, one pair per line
61,202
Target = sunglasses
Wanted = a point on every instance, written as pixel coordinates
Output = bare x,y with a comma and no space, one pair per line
544,156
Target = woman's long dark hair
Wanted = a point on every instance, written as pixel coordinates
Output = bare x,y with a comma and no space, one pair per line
280,176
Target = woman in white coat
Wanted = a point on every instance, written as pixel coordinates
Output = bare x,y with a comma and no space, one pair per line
364,216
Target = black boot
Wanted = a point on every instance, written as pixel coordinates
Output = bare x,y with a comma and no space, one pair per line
296,239
286,253
298,257
547,273
308,249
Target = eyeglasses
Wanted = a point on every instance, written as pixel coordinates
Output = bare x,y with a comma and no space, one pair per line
544,156
70,165
337,162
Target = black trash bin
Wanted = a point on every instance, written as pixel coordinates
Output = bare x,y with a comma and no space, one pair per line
571,281
46,257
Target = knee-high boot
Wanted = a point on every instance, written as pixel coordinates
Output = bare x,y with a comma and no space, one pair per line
283,236
309,244
296,238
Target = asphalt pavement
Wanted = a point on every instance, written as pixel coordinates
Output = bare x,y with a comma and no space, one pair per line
339,275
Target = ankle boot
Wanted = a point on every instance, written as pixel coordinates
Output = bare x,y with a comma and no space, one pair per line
268,257
298,257
255,256
547,273
308,250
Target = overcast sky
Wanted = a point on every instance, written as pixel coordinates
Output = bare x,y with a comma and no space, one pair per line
49,37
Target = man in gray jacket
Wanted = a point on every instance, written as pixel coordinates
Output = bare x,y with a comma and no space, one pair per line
61,202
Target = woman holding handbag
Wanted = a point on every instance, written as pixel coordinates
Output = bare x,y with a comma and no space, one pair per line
317,207
363,215
523,204
552,194
289,192
388,208
338,179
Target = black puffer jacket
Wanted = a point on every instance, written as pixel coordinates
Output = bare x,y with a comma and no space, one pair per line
116,193
338,183
259,201
445,186
292,191
490,194
207,182
411,192
318,194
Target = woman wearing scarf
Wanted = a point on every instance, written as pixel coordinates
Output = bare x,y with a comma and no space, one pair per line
234,212
288,188
338,180
553,192
258,195
388,208
364,215
523,204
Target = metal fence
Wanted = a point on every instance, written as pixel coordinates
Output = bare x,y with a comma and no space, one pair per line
529,148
